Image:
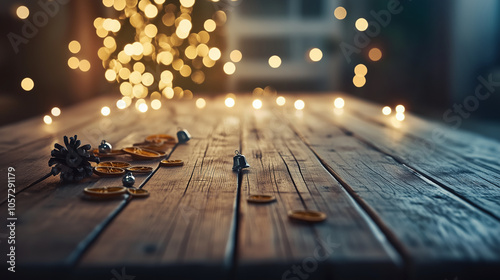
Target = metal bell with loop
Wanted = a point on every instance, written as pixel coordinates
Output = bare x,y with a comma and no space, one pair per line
128,180
183,135
105,147
239,161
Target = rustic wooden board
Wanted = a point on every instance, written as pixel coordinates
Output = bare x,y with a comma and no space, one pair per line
476,184
186,228
56,221
439,234
34,129
270,245
436,136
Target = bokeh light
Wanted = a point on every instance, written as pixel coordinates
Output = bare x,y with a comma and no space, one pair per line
257,104
143,107
400,108
229,102
47,119
361,24
235,56
280,100
340,13
339,103
84,65
27,84
274,61
386,110
121,104
74,46
299,104
400,116
359,81
56,112
156,104
229,68
360,70
315,54
105,111
22,12
375,54
201,103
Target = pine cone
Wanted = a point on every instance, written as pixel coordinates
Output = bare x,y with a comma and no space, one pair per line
72,161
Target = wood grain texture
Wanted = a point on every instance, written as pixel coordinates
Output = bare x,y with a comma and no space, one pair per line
438,232
270,245
57,221
186,227
397,209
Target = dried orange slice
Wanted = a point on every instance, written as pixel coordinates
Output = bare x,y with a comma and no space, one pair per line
141,153
160,138
120,164
106,171
261,198
171,162
307,215
104,191
140,169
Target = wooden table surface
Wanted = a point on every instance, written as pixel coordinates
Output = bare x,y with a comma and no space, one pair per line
404,200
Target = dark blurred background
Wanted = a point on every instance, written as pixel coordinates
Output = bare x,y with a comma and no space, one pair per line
428,55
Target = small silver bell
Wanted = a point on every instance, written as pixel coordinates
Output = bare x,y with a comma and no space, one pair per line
239,161
128,180
183,135
105,147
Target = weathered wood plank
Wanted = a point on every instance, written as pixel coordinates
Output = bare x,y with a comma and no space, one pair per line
441,235
185,229
34,129
270,245
437,136
474,183
56,221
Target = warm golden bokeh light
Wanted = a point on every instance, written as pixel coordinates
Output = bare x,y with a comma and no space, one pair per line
187,3
360,70
340,13
22,12
209,25
84,65
73,62
143,107
121,104
235,56
386,110
299,104
156,104
229,102
315,54
105,111
56,112
200,103
361,24
400,109
274,61
257,104
110,75
47,119
339,103
375,54
229,68
359,81
74,46
214,53
280,100
27,84
400,116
